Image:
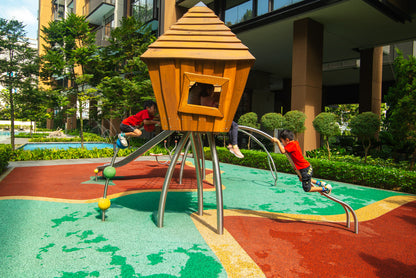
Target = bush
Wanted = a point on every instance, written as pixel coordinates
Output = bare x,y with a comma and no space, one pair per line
5,151
295,121
272,121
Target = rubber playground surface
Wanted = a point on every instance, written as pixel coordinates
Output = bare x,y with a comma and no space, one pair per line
51,226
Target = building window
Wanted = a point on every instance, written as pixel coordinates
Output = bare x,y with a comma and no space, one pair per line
239,13
58,9
262,7
278,4
144,10
108,25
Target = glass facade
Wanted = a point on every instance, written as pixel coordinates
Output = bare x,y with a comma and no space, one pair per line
143,9
239,11
278,4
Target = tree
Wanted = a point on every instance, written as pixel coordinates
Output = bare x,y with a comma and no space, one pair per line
295,121
344,113
17,63
70,54
365,126
272,121
32,101
326,124
249,119
125,82
401,99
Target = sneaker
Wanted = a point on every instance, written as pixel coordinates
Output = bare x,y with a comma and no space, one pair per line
123,140
321,183
236,151
327,189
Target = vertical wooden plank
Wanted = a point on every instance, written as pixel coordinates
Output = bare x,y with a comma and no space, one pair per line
155,78
224,124
219,68
207,123
189,121
170,92
243,69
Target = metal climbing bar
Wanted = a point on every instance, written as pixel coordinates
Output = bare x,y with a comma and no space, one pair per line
346,207
270,160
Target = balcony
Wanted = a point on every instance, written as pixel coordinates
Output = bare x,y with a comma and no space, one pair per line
97,9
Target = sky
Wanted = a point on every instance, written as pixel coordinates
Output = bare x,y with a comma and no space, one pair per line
25,11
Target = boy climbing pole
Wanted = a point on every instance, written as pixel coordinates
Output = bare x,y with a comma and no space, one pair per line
288,144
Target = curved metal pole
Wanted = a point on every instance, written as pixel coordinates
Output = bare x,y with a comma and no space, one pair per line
217,183
200,191
168,178
343,204
185,155
270,160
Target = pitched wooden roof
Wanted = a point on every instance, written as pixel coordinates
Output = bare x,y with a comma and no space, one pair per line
199,34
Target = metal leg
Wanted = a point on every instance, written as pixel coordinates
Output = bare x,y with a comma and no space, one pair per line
200,191
168,178
217,183
202,156
185,154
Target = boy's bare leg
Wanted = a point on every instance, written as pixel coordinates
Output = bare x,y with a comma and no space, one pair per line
135,133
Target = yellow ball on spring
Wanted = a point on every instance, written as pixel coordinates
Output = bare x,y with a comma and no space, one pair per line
96,170
104,203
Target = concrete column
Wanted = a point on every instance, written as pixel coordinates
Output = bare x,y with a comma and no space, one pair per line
371,75
169,14
307,77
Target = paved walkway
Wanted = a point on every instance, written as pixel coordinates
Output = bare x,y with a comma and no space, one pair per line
51,225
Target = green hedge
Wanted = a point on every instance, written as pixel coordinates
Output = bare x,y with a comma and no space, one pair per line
367,175
5,152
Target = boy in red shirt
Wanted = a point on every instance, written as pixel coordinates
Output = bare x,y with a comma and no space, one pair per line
129,125
287,143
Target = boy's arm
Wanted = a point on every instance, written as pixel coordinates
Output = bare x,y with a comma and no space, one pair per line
279,144
150,122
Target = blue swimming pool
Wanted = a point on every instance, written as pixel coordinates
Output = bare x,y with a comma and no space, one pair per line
65,146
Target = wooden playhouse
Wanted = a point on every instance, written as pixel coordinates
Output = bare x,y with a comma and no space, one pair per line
199,49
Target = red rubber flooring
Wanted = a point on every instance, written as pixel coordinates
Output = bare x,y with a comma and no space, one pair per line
311,249
69,181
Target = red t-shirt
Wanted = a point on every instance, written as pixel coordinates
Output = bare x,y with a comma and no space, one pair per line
295,152
137,120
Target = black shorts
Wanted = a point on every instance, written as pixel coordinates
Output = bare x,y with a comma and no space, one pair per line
126,128
306,174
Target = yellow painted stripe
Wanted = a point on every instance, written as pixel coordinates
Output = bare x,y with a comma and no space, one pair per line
233,257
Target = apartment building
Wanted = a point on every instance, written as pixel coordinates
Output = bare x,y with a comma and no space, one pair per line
309,53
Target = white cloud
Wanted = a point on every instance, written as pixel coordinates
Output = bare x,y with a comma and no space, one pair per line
21,14
24,11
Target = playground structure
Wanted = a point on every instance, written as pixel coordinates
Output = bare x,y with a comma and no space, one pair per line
199,48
